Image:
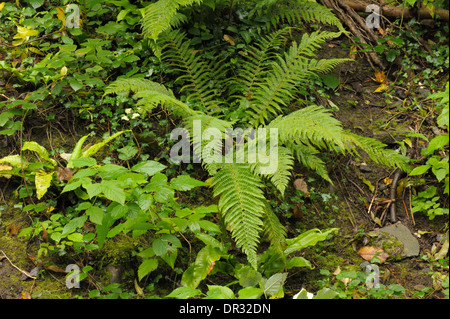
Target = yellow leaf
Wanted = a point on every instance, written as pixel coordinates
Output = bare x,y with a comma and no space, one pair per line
380,77
352,53
4,167
63,71
388,181
1,6
25,33
42,181
368,183
229,39
61,16
383,87
35,50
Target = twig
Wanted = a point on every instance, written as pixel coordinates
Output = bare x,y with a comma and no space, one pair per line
393,193
26,273
36,39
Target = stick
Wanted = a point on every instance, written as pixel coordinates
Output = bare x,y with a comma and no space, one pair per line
26,273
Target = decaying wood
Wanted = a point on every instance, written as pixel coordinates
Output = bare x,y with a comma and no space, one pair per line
396,12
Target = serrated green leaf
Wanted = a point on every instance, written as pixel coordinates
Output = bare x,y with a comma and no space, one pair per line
184,293
185,183
146,267
148,167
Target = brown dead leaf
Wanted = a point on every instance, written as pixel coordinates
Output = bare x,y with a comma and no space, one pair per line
298,213
369,252
380,77
352,54
64,174
13,230
301,185
382,32
55,268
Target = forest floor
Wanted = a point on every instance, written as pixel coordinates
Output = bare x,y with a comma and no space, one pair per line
361,111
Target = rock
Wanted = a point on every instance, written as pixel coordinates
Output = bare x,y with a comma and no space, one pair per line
115,273
397,241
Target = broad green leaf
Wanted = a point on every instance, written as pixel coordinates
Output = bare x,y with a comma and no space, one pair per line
75,84
83,162
419,170
73,224
248,277
435,144
298,262
325,293
274,284
113,192
96,147
40,150
250,293
15,161
219,292
103,228
94,189
308,238
77,237
95,214
185,183
204,263
146,267
148,167
76,153
184,293
42,181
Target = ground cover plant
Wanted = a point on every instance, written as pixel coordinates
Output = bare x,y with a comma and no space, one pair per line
138,159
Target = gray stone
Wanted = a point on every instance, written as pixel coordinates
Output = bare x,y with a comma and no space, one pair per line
397,241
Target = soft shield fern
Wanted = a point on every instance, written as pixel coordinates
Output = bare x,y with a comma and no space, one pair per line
264,86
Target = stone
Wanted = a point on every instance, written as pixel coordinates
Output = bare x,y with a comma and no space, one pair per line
397,241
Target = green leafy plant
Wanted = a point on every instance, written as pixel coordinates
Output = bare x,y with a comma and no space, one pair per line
263,88
428,201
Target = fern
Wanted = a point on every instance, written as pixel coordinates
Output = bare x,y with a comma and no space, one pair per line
162,15
242,205
198,74
287,73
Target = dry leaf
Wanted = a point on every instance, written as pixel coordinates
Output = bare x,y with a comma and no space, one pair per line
25,295
301,185
13,230
387,181
383,87
139,290
352,53
64,174
380,77
298,213
229,39
382,32
56,269
369,252
4,167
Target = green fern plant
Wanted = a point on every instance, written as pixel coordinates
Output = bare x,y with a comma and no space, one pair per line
264,86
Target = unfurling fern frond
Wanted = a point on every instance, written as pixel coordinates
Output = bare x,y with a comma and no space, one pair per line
198,74
376,150
241,203
162,15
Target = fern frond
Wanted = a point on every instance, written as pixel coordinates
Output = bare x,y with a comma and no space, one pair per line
273,229
306,155
242,204
376,150
255,62
310,125
162,15
295,12
199,75
284,162
286,75
150,94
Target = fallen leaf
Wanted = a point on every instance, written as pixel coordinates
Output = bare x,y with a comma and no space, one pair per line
298,213
369,252
25,295
382,32
387,181
383,87
55,268
380,77
352,53
301,185
64,174
229,39
13,230
139,290
44,234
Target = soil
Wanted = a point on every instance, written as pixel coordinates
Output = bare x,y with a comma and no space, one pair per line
361,111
